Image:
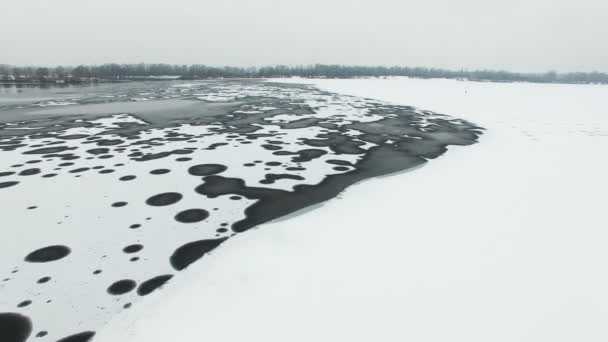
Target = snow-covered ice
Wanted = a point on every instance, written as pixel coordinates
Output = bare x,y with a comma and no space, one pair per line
102,207
504,240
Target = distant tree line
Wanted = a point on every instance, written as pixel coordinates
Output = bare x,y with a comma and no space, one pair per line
116,72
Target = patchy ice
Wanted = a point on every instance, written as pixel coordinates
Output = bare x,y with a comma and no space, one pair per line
100,210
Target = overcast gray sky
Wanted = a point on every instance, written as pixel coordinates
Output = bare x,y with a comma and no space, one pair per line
518,35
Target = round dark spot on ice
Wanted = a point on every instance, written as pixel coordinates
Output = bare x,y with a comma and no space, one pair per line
206,169
192,251
152,284
14,327
163,199
24,303
121,287
338,162
80,169
192,215
43,280
96,271
47,254
7,184
160,171
80,337
29,172
133,248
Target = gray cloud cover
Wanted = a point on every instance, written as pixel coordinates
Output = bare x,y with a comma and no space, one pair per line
533,35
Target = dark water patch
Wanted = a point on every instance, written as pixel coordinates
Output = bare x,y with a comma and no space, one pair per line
4,174
270,147
43,280
339,144
191,252
215,145
270,178
80,169
152,284
283,153
14,327
80,337
135,226
8,184
48,254
153,156
41,333
294,168
183,159
127,178
47,150
192,215
30,172
133,248
339,162
273,163
106,171
307,155
119,204
66,164
98,151
24,303
49,175
160,171
108,142
206,169
341,168
121,287
273,203
163,199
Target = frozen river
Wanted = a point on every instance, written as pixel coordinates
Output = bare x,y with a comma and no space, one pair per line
111,191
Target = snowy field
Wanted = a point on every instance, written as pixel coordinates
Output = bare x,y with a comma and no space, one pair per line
504,240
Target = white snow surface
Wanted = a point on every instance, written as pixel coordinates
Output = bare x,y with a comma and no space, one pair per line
505,240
